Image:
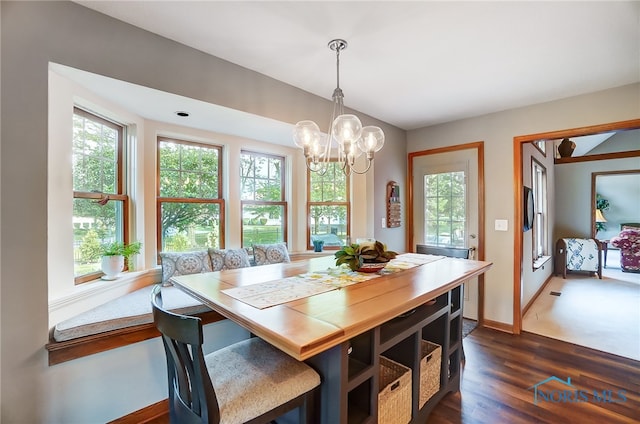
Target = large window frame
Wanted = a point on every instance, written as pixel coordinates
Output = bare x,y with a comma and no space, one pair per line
100,197
160,200
333,170
540,232
249,193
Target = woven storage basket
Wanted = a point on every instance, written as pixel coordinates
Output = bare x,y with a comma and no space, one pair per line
429,370
394,395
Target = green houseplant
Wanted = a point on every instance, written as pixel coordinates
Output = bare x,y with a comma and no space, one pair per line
602,204
114,256
356,255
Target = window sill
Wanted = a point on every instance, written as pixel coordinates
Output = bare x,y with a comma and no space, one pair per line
539,263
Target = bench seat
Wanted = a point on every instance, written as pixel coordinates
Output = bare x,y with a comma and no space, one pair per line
129,310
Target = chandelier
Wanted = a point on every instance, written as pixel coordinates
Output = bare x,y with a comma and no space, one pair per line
346,141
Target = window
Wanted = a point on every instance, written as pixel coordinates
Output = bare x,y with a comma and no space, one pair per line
264,210
539,182
328,208
445,209
99,198
189,201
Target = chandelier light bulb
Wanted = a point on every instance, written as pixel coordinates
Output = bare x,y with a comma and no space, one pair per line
372,139
352,151
347,129
304,133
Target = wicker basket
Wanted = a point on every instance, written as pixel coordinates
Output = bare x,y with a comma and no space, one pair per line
429,370
394,395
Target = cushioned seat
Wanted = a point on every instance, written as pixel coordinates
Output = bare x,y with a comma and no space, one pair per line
126,311
578,254
628,241
247,382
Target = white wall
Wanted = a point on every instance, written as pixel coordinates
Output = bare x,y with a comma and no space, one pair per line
35,34
497,130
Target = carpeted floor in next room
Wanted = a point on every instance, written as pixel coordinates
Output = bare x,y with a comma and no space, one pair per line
599,314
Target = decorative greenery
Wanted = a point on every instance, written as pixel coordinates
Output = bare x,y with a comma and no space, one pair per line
357,254
602,204
119,248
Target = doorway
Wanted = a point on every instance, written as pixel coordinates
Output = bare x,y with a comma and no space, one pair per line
452,215
519,141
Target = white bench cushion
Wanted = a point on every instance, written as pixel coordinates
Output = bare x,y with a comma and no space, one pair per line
127,311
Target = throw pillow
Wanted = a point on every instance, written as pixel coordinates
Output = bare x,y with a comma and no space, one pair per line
228,258
183,263
265,254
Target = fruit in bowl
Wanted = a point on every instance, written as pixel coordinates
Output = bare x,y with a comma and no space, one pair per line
374,254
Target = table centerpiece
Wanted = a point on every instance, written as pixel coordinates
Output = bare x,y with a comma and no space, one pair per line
368,256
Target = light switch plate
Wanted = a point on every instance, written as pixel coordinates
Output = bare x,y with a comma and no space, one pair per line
502,225
384,223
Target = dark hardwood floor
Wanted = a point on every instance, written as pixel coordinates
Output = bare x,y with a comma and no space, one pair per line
501,371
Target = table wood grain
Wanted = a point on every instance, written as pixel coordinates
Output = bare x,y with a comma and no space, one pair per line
305,327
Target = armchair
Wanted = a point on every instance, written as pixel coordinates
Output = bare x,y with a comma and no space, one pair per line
628,241
576,254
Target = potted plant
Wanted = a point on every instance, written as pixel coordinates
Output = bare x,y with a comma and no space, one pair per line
602,204
114,256
369,252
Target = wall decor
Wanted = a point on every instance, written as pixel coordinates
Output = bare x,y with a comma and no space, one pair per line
393,205
528,209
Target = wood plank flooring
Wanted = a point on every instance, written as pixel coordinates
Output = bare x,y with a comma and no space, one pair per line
501,371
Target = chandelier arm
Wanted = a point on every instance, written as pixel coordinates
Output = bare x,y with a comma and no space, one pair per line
321,171
352,169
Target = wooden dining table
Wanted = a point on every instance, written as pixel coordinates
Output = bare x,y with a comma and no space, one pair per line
318,328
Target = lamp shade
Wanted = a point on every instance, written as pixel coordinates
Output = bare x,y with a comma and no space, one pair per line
599,216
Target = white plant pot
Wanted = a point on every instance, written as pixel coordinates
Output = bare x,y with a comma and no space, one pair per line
112,266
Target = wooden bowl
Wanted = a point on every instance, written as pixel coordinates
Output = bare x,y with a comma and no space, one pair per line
372,267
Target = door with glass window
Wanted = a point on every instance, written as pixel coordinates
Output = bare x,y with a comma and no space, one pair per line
445,207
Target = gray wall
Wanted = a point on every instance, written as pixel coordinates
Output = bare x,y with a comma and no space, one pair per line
573,196
34,34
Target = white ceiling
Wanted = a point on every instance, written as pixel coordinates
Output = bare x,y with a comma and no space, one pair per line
412,64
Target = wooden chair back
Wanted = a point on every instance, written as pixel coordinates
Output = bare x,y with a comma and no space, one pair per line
191,394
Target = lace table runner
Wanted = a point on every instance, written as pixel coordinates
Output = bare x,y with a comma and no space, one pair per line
271,293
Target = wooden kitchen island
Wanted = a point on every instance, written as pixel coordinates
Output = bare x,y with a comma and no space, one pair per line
343,332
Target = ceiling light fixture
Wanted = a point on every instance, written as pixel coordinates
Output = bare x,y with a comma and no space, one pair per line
347,138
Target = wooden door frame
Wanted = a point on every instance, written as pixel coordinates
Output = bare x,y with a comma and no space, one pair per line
479,147
518,142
